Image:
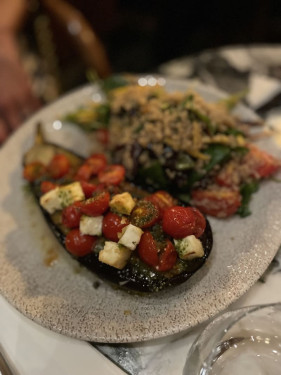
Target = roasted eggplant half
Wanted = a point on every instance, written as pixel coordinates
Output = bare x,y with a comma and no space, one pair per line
138,240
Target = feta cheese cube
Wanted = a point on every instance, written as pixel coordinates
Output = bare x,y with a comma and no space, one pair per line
71,193
131,236
122,203
114,255
189,248
61,197
50,201
91,225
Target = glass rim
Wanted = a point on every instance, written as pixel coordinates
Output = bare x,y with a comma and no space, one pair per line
244,311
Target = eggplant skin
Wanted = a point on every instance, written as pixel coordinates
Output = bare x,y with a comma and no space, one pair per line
136,277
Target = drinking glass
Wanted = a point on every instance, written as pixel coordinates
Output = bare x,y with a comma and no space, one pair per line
244,341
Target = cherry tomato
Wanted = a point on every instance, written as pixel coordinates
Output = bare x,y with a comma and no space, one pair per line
59,166
162,200
179,222
88,188
145,214
91,167
79,244
260,163
149,253
112,225
71,215
167,258
97,162
219,203
103,136
200,222
112,174
96,205
47,186
147,250
84,172
33,171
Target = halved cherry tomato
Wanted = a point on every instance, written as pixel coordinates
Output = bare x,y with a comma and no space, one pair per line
96,205
179,222
47,186
162,200
112,174
167,258
145,214
261,164
91,167
88,188
84,172
147,250
151,255
219,203
71,215
33,171
200,222
79,244
59,166
97,162
112,225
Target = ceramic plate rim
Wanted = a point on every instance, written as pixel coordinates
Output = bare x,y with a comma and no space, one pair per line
223,298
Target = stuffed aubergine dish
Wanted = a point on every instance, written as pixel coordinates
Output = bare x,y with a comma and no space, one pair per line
138,240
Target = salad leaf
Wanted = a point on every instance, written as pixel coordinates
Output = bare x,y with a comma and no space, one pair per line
183,162
246,192
203,118
219,153
232,100
103,113
234,131
154,174
113,82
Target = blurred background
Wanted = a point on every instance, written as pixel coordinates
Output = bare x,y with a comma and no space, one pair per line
48,47
139,35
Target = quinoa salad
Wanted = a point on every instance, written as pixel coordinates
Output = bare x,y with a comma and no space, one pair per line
179,142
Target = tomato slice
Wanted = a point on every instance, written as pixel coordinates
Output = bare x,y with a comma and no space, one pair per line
79,244
34,171
96,205
88,188
145,214
112,225
162,200
179,222
147,250
261,164
71,215
219,203
47,186
112,175
167,258
59,166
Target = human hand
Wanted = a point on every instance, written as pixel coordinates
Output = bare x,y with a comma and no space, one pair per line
16,98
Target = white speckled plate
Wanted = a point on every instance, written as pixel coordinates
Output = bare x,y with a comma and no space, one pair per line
61,296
